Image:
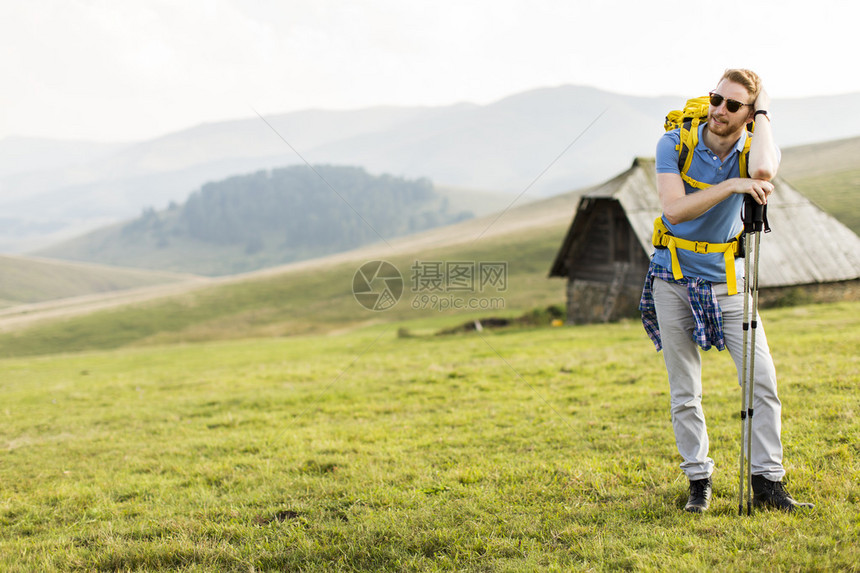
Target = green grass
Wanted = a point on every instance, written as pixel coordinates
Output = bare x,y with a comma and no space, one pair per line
517,450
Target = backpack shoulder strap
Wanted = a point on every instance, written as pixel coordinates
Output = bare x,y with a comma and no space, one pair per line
689,139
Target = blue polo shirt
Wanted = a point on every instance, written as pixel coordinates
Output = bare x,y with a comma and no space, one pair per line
720,224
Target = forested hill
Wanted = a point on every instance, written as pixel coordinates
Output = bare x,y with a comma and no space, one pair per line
266,218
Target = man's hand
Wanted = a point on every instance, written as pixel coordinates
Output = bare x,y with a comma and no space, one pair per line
758,188
762,101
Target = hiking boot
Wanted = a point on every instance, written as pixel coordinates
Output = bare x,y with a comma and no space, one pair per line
773,494
700,496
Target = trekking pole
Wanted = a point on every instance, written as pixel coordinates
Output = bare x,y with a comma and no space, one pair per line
754,217
744,369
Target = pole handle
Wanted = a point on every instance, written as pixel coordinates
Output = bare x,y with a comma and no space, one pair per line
754,215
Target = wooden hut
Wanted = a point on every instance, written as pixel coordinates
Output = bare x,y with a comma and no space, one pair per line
606,251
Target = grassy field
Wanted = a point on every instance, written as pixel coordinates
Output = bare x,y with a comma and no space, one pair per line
546,449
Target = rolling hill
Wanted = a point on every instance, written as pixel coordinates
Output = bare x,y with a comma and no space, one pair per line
27,280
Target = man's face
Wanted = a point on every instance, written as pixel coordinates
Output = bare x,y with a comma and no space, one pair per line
723,122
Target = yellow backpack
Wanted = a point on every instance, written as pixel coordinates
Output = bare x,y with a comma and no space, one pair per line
695,112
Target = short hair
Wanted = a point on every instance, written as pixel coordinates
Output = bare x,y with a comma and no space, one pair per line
747,78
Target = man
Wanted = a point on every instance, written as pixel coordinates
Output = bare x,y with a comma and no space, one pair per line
703,308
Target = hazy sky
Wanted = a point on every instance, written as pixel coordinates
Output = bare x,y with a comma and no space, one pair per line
124,70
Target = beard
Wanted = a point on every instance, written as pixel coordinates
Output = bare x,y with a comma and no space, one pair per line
726,124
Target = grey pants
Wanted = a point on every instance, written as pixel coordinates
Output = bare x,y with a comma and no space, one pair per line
684,367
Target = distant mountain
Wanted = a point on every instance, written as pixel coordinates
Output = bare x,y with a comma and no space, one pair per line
545,141
263,219
37,155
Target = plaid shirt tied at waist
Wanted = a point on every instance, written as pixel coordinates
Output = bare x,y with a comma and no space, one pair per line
703,301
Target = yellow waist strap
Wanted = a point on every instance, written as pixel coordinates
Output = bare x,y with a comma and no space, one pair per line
662,238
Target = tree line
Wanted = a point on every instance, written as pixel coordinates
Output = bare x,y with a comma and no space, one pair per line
301,208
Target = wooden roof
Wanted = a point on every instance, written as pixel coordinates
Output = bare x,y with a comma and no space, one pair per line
806,245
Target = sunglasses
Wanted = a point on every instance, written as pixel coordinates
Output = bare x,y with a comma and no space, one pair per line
731,104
